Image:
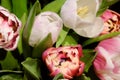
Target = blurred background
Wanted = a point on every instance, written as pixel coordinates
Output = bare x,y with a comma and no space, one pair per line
116,7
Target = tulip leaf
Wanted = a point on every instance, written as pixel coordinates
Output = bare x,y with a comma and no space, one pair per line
89,56
23,20
71,39
62,36
11,77
7,4
44,44
32,66
9,63
10,71
105,5
27,29
100,38
82,77
19,7
58,76
54,6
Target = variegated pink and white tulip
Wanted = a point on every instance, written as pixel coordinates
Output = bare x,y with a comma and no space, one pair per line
9,29
45,23
111,22
107,61
64,60
80,15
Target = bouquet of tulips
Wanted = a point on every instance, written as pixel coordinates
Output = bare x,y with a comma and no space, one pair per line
59,40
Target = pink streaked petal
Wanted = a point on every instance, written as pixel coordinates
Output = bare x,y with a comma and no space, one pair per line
107,61
112,45
102,60
55,72
107,15
9,29
66,73
12,44
65,60
81,68
17,22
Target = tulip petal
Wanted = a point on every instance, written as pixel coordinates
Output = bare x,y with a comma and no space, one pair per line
90,29
107,61
68,13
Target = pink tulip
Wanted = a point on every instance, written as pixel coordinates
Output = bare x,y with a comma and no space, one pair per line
111,21
107,61
65,60
9,30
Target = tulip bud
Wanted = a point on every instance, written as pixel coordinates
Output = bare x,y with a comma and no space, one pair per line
9,30
45,23
111,22
107,61
64,60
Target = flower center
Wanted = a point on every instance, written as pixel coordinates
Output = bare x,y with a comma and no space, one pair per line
82,11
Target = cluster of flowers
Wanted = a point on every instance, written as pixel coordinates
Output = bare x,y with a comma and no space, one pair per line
80,16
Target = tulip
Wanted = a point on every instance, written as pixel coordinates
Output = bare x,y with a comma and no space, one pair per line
80,15
9,30
111,22
45,23
64,60
107,61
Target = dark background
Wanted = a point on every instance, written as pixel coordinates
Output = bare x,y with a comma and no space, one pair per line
116,7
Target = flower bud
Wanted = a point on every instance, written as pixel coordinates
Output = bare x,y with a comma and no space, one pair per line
9,30
45,23
107,61
64,60
111,22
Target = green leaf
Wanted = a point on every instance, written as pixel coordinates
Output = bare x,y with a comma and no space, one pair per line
62,36
69,40
11,77
44,44
82,77
23,20
27,29
100,38
9,63
54,6
6,4
32,66
105,5
10,71
58,76
89,56
19,7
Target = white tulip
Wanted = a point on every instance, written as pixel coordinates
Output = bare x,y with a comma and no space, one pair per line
80,15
